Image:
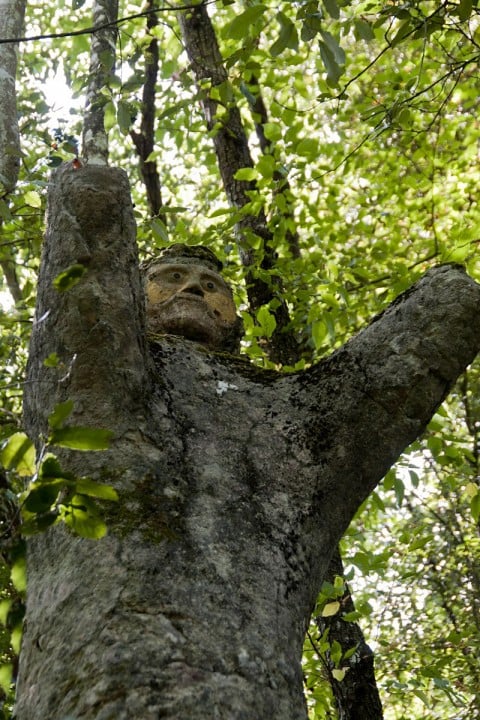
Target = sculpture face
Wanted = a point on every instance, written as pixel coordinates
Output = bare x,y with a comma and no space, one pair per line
193,301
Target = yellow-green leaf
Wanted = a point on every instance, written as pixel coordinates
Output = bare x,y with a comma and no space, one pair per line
19,454
331,609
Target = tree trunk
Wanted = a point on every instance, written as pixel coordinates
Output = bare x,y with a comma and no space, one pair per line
235,483
102,68
144,140
225,125
11,26
356,695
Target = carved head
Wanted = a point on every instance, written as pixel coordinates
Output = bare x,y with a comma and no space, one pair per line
187,296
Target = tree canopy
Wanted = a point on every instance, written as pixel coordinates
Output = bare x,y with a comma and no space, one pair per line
356,171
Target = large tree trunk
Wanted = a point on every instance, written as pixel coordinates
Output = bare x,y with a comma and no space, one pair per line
235,483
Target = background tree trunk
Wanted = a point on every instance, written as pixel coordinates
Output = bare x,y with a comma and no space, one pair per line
356,695
11,26
102,68
235,484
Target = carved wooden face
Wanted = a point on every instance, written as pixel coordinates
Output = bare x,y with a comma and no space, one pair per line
192,301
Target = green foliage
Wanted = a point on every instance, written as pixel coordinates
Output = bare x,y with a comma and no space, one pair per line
372,111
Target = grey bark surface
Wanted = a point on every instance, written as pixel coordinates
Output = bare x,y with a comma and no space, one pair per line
12,20
235,483
102,67
12,17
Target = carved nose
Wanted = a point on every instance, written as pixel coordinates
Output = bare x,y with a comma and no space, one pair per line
194,288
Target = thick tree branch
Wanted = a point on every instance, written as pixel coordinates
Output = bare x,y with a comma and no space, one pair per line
395,374
144,140
90,223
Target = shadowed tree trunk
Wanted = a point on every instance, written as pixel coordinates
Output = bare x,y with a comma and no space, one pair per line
225,125
144,138
12,13
356,695
235,483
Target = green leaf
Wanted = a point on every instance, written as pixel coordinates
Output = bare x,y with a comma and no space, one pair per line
175,109
33,198
5,606
124,117
311,27
159,230
109,116
337,51
319,333
266,166
363,30
41,497
246,174
334,71
50,469
16,638
308,147
331,609
19,454
69,278
60,413
39,523
475,507
86,486
18,574
464,9
402,33
6,673
81,438
288,37
272,131
239,27
399,491
336,652
83,518
5,210
54,161
266,321
332,8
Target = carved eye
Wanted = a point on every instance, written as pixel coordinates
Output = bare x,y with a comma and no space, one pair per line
210,285
177,276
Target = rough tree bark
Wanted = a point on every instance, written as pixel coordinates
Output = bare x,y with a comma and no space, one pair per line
356,696
235,483
102,66
144,139
12,14
231,145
